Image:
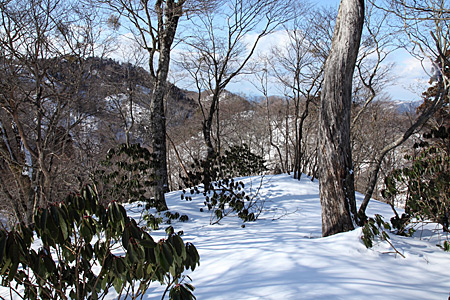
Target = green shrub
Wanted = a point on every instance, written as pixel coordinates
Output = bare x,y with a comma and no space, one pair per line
425,183
374,227
87,248
126,174
238,161
224,195
377,228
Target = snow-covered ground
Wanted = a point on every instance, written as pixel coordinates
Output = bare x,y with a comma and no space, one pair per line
283,256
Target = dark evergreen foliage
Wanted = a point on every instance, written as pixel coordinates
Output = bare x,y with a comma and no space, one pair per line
126,175
425,183
223,194
78,256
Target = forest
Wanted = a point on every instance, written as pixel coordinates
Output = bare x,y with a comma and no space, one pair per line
120,101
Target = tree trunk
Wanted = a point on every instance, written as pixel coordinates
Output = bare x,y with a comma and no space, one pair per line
337,190
211,152
158,140
207,125
168,17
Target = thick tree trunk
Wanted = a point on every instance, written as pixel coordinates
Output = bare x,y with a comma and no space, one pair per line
168,17
158,130
337,191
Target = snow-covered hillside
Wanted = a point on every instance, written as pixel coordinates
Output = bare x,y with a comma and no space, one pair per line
283,256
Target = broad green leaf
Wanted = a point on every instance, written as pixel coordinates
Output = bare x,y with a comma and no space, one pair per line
63,227
14,251
125,238
118,284
179,246
163,263
43,219
147,243
170,230
2,246
168,254
13,271
6,265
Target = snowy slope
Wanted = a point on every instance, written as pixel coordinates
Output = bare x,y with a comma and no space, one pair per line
282,255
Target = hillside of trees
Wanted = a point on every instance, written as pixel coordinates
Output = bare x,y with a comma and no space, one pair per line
110,108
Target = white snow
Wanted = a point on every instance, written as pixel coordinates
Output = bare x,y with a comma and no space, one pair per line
283,256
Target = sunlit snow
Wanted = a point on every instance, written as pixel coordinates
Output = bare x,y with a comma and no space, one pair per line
283,256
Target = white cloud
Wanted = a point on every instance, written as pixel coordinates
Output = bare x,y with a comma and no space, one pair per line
411,76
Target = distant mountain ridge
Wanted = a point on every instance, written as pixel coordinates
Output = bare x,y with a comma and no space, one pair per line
405,106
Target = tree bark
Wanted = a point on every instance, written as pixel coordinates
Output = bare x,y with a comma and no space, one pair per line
168,16
337,191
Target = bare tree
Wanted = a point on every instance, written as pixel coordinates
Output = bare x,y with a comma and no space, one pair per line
221,46
43,88
261,84
426,24
298,66
379,40
337,192
154,25
372,76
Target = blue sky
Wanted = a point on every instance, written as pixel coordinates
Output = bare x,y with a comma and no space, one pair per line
408,86
410,77
327,2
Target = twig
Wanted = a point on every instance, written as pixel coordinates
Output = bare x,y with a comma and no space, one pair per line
285,214
395,249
